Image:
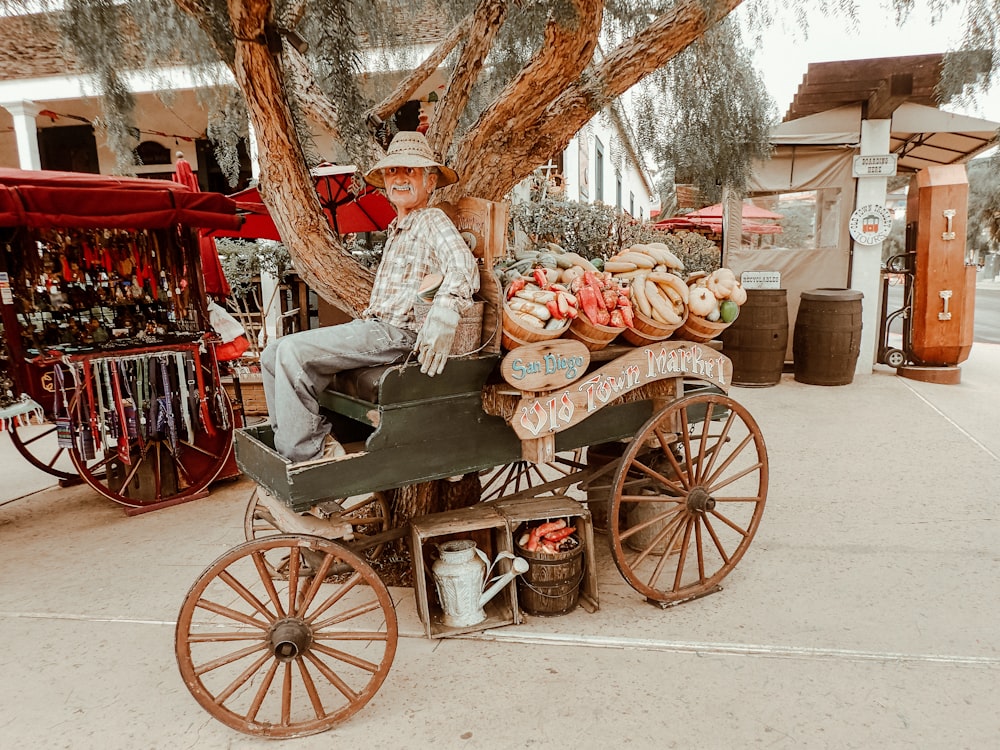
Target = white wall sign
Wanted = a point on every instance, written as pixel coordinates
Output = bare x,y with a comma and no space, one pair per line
870,224
761,279
875,165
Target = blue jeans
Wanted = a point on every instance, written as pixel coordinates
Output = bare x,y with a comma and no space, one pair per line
298,367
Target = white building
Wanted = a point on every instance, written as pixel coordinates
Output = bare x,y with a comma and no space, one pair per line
48,109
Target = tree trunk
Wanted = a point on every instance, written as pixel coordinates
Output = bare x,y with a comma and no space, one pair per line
434,497
285,183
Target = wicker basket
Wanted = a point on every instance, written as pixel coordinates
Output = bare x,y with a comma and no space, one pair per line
645,331
593,336
514,334
702,330
470,326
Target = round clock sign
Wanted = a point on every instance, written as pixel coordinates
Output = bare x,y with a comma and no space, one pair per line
870,224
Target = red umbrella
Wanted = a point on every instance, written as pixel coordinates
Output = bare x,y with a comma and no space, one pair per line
211,266
348,210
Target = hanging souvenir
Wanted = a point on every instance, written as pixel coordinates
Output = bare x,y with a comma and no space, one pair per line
64,425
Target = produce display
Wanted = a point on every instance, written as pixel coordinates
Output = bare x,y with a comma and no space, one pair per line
656,289
540,303
716,296
550,537
548,287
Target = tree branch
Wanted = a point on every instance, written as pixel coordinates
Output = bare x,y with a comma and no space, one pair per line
504,144
313,101
522,129
658,44
564,55
486,22
401,95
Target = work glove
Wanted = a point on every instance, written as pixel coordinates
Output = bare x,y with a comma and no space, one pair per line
435,339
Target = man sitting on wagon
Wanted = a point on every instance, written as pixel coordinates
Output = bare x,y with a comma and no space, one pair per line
421,240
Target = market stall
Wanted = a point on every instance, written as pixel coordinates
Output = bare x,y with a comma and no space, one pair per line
675,467
106,326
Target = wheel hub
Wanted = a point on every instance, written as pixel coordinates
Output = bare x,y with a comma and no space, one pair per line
289,638
700,500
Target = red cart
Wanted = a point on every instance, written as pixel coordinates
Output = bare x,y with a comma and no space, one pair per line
106,332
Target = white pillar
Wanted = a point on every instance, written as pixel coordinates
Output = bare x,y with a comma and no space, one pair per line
270,299
866,263
252,151
26,132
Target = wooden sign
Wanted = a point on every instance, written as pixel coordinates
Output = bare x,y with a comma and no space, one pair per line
545,365
536,416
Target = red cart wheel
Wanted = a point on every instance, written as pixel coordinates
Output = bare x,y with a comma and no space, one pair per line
517,476
286,658
688,497
157,470
37,444
369,515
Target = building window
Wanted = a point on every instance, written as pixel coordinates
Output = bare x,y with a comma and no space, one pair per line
598,169
618,190
631,204
150,152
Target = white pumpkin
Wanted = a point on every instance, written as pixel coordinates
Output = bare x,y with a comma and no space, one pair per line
701,301
739,294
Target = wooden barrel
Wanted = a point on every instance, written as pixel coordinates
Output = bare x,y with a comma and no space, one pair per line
697,328
645,331
592,336
757,340
827,337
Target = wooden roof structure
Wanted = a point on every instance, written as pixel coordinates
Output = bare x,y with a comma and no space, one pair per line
881,86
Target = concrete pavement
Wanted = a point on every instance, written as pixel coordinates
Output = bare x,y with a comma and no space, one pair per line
863,614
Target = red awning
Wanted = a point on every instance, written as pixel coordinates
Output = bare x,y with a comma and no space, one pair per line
750,211
42,198
348,210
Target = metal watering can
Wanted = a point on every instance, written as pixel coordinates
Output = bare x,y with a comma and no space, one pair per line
459,575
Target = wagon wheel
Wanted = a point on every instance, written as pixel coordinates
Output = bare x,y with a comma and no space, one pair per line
518,476
37,444
158,470
368,515
286,658
688,497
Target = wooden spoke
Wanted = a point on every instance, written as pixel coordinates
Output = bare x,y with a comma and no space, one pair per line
530,479
38,445
157,471
368,515
289,670
668,538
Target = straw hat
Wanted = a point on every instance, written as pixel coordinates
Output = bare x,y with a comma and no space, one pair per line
410,149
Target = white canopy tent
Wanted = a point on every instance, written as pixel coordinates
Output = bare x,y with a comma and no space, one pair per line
816,153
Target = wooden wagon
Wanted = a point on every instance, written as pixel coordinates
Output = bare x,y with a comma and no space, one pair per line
293,631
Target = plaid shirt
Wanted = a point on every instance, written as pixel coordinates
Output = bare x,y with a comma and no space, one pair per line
422,242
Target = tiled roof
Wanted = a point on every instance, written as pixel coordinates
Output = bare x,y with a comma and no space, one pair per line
32,48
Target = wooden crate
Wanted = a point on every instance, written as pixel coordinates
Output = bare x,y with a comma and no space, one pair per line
251,394
490,531
525,510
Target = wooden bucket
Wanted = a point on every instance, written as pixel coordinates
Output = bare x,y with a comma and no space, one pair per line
702,330
645,331
592,336
757,340
514,334
827,338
